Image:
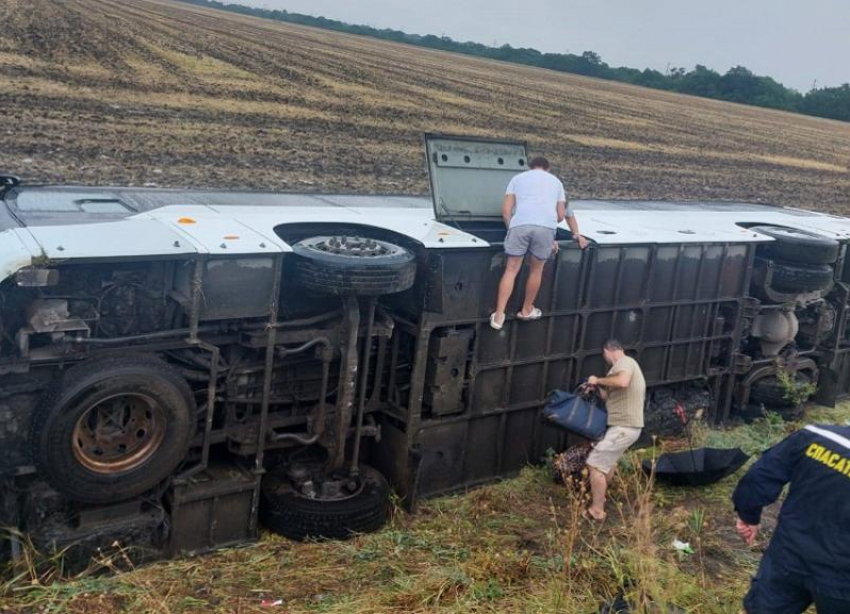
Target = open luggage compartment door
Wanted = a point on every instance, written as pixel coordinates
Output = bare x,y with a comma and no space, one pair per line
469,175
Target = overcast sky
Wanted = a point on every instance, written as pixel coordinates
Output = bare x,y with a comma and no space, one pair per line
793,41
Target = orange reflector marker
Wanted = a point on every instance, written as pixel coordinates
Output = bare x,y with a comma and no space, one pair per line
230,237
186,220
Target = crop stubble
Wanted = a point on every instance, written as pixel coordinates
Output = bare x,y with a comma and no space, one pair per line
152,92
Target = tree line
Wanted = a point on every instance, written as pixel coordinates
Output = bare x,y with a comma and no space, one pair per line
738,84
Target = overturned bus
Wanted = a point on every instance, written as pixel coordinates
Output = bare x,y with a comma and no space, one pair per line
178,367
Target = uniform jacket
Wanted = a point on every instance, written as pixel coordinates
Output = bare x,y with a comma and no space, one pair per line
813,534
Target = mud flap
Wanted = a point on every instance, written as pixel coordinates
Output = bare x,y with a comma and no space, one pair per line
827,393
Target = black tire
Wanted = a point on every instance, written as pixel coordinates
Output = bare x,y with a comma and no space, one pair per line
352,265
794,278
770,392
798,246
287,512
131,385
756,411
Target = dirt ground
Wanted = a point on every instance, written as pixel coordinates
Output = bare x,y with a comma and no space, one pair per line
149,92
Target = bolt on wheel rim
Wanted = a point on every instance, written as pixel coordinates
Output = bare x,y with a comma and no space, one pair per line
353,246
118,433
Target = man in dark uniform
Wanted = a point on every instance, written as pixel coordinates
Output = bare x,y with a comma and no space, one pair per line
808,559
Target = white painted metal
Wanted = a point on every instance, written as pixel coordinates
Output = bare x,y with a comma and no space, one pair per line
418,224
130,238
245,223
213,233
14,254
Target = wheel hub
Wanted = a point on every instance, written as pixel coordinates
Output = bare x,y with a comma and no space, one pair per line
310,483
353,246
119,433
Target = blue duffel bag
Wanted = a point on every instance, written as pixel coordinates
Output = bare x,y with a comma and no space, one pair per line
573,413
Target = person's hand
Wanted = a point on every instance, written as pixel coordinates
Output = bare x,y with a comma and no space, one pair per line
592,381
747,532
582,242
555,247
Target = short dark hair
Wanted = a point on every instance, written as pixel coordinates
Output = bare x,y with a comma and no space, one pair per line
612,345
539,162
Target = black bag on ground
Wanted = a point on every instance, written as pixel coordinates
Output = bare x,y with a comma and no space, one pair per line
573,413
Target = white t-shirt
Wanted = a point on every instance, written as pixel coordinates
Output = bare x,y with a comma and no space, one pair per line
538,193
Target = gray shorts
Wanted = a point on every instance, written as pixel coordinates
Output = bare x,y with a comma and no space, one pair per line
535,240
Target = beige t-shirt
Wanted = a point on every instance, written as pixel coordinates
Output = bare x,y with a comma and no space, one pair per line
625,405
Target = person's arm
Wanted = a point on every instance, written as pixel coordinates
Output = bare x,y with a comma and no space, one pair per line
620,379
763,484
573,224
508,208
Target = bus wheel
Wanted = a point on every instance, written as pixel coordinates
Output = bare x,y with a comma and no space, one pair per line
298,503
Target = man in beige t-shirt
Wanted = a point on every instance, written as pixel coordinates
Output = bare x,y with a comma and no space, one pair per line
624,391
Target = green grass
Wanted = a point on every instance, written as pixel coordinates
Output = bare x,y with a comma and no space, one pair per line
514,546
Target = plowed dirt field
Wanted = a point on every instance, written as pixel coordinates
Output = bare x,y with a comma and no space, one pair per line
161,93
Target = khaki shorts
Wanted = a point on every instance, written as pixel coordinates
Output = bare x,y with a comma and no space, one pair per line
612,446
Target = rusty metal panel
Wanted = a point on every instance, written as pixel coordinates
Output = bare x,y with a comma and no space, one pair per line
446,372
443,449
213,509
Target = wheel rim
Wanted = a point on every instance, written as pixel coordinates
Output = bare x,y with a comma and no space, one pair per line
287,482
358,247
118,433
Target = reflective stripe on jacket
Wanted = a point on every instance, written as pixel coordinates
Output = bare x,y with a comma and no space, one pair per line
813,533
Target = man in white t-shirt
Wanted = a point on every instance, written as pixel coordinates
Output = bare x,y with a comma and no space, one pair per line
535,203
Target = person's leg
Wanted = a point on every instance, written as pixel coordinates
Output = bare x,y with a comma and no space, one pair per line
532,286
774,591
826,604
598,488
541,242
506,285
602,463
